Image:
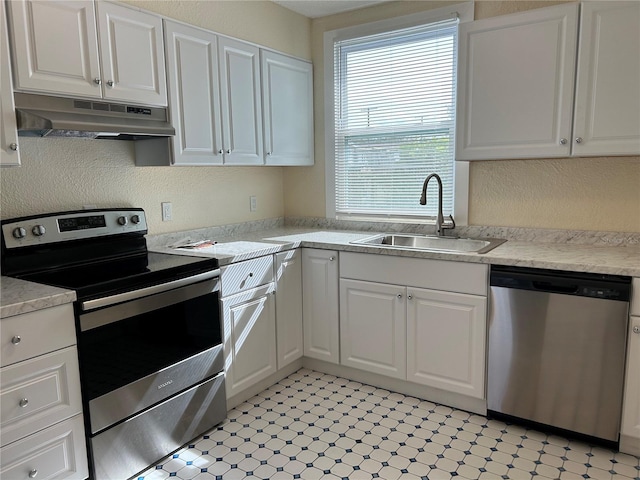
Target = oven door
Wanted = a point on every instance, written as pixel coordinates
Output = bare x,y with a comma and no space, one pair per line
141,351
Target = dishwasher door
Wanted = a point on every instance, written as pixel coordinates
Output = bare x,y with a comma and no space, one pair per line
557,351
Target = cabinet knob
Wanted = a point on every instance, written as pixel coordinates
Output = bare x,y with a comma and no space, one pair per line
331,259
563,141
220,152
23,402
97,81
33,473
268,153
111,83
251,274
13,147
399,295
579,140
16,339
409,297
636,329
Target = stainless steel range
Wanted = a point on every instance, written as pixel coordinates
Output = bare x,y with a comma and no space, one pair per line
148,326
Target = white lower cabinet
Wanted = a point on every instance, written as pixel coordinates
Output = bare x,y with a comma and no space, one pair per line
630,427
373,327
415,319
40,402
446,335
289,306
250,337
320,304
55,453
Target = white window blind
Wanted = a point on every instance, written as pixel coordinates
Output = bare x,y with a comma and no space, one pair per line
395,120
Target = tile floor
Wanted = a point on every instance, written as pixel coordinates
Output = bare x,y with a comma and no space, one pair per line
316,426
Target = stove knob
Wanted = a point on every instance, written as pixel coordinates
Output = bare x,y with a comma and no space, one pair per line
38,230
135,219
122,221
19,232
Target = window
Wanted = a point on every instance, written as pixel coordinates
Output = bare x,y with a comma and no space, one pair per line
393,122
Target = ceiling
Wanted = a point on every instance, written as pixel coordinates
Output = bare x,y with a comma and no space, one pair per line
322,8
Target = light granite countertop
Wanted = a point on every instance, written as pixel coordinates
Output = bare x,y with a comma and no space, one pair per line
19,296
596,258
557,250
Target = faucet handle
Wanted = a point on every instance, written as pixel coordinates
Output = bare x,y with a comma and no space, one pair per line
449,227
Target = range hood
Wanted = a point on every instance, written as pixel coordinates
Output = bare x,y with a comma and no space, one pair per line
46,116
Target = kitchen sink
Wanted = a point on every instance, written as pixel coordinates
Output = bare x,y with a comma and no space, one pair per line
431,243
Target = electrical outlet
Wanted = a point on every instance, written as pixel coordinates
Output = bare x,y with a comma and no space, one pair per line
253,203
166,211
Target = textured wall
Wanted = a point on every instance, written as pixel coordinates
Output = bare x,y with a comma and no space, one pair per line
578,193
65,174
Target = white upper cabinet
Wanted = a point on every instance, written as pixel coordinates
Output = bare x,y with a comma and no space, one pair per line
194,94
56,50
287,95
516,80
241,102
607,108
132,55
9,153
55,46
515,84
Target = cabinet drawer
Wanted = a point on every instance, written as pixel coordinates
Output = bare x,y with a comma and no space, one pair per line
635,297
55,453
242,276
460,277
39,392
38,332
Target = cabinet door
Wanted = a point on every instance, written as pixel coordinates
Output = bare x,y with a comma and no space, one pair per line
39,392
607,107
9,153
446,335
241,103
132,55
515,84
320,304
194,94
631,403
55,47
373,327
287,93
55,453
250,338
289,306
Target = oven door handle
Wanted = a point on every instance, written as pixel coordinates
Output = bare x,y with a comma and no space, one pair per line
144,292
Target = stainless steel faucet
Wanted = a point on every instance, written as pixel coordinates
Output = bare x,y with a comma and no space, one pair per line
440,225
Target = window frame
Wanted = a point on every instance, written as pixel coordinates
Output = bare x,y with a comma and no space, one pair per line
464,12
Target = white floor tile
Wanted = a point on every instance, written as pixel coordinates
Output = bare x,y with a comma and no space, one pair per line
314,426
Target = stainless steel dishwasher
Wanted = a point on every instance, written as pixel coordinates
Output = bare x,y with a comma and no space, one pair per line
557,344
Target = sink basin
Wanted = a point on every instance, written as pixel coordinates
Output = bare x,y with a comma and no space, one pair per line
431,243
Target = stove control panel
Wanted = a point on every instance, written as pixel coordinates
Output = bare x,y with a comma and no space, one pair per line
84,224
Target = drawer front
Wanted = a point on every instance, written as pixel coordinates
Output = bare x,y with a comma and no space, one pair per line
39,392
460,277
635,297
36,333
241,276
56,453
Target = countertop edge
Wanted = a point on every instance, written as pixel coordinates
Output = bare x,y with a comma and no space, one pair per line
20,296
